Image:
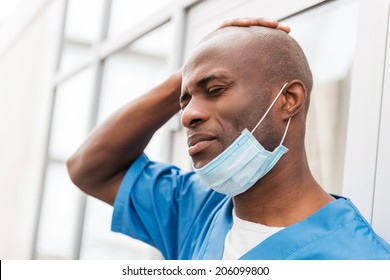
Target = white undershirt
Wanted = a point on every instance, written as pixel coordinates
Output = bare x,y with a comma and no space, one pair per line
243,236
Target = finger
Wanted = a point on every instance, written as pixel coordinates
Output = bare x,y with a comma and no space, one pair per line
250,22
263,22
284,28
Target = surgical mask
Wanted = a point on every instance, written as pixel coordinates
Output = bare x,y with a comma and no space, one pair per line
243,163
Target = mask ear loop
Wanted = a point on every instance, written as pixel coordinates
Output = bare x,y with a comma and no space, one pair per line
285,131
269,109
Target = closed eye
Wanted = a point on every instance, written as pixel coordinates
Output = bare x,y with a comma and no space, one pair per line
215,91
184,99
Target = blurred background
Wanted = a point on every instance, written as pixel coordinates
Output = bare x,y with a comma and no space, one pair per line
66,65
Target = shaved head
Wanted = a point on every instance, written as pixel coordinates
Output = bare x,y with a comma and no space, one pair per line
274,54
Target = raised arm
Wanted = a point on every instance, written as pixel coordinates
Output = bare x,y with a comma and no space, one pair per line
99,165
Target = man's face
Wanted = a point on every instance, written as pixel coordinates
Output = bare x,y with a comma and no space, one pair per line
220,97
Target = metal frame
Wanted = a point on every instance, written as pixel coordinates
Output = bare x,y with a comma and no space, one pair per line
98,69
381,209
106,47
48,133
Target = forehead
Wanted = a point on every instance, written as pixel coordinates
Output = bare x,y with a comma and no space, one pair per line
225,52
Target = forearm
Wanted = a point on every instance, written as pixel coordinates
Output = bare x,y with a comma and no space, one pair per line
112,147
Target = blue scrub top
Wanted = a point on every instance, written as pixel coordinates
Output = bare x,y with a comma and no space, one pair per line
174,212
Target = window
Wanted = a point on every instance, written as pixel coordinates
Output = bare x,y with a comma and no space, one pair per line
126,15
330,53
58,227
124,49
81,33
91,84
128,74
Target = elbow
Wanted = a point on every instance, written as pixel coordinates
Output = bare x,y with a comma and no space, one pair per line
75,171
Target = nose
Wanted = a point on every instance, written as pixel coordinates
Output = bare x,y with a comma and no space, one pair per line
195,113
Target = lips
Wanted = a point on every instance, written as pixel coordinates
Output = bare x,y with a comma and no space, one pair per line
198,142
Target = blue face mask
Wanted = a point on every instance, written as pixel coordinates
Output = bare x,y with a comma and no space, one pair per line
243,163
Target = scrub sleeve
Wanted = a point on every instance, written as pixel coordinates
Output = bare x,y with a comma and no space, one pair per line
165,207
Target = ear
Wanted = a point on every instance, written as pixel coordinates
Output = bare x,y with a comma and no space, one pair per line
294,99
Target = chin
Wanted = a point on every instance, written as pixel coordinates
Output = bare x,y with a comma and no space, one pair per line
199,163
201,159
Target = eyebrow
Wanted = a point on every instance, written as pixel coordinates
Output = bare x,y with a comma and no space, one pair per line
212,77
203,81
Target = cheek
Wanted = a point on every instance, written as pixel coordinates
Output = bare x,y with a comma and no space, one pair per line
233,122
249,112
247,117
236,113
268,134
232,128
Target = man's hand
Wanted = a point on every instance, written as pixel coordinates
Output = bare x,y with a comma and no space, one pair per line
245,22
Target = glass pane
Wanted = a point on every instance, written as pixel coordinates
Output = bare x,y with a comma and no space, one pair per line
329,44
128,74
134,70
71,115
83,26
58,221
126,14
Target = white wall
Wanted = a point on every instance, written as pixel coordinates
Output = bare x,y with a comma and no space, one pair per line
27,54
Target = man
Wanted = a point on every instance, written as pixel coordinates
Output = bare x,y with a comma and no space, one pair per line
244,96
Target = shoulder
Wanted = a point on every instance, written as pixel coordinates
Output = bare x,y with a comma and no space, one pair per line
350,236
147,170
365,237
147,177
337,231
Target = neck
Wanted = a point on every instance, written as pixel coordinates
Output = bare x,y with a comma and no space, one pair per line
286,195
